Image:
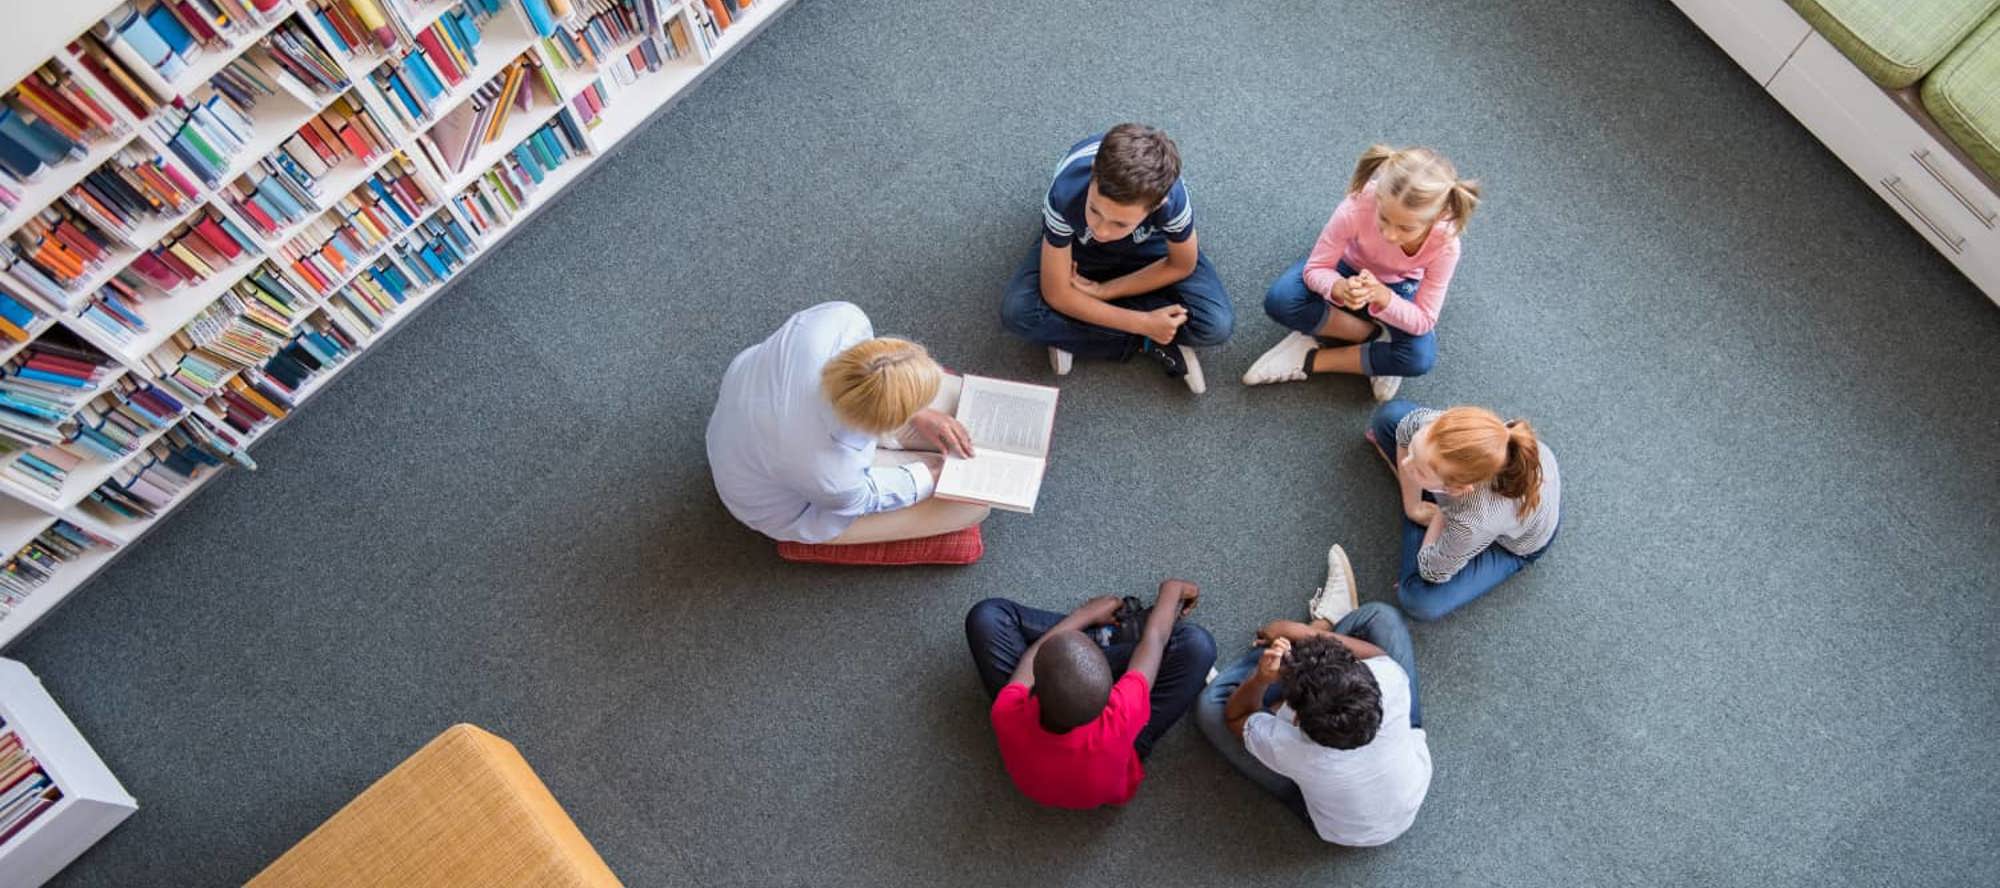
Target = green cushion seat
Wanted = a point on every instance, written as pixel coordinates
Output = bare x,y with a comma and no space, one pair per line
1963,96
1895,42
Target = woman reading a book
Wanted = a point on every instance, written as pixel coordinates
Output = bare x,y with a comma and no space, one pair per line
824,433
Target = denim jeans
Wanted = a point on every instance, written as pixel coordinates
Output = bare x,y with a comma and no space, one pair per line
1373,622
1421,598
1289,303
1023,312
999,631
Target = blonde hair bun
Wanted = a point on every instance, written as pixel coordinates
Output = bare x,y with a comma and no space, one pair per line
875,386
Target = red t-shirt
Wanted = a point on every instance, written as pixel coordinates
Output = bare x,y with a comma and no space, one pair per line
1093,764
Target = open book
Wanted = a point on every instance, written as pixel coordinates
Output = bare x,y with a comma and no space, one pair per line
1010,423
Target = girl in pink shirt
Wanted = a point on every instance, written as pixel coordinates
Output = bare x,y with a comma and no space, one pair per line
1375,282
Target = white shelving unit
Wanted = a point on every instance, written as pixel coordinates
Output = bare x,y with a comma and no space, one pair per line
93,802
41,32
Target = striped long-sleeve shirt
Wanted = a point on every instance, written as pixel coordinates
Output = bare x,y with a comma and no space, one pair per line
1483,517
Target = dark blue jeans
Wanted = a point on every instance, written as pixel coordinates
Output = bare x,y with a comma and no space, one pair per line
1373,622
1421,598
999,631
1289,303
1024,313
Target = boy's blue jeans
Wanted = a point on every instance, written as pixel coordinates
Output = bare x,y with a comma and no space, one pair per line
1024,313
1373,622
999,631
1421,598
1289,303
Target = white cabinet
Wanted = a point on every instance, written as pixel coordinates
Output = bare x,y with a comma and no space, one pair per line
1899,158
1884,137
92,799
1758,34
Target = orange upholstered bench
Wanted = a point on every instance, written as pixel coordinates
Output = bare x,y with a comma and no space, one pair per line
464,811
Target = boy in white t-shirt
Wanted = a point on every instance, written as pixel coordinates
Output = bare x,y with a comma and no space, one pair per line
1324,716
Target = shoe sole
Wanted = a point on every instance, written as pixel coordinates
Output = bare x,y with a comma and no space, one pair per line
1382,397
1249,376
1196,382
1336,563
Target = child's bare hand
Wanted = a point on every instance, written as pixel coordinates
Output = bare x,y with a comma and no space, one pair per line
1161,324
1271,666
1084,285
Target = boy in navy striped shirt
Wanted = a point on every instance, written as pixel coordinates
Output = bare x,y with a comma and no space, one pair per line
1117,272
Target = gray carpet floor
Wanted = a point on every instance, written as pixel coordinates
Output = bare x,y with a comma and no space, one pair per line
1763,652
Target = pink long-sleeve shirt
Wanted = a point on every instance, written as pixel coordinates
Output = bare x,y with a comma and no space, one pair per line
1351,235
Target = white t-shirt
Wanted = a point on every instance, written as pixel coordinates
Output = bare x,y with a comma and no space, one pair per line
1357,797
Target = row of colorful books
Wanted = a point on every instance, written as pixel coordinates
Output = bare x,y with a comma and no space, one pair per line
275,195
504,191
27,790
440,58
124,86
292,51
346,132
260,396
43,387
110,425
367,304
18,322
320,346
54,251
624,70
28,144
100,433
369,27
435,250
191,253
332,247
132,188
243,405
712,17
521,88
158,41
147,486
604,26
115,423
57,108
205,135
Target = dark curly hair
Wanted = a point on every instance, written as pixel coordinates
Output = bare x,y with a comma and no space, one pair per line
1338,702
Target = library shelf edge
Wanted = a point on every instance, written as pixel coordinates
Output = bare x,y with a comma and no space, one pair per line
93,800
666,89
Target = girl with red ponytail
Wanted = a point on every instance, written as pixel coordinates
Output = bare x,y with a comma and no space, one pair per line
1481,500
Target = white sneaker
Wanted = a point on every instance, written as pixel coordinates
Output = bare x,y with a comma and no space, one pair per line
1060,361
1285,362
1338,597
1196,382
1385,386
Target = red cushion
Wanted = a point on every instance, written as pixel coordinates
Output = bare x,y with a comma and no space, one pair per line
959,547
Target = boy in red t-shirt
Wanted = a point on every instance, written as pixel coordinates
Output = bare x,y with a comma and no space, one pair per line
1071,736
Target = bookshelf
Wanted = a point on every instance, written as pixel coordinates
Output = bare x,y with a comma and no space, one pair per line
92,801
280,261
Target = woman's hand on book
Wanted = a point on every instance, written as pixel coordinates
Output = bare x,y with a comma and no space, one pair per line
943,431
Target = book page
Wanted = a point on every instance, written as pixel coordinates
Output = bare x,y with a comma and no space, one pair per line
1003,480
1008,416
